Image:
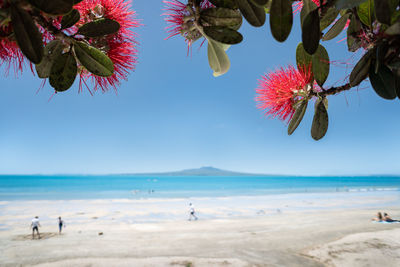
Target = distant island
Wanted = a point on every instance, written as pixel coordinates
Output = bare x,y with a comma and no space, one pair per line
211,171
203,171
208,171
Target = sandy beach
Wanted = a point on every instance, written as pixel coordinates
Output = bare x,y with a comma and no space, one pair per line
281,230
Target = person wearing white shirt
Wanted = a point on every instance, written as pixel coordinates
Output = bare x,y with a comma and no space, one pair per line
35,227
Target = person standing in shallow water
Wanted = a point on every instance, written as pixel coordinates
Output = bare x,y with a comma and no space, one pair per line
35,227
192,212
61,224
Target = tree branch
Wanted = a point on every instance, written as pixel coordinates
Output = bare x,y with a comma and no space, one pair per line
332,91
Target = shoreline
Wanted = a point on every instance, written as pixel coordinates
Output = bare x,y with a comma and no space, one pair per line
312,230
170,209
255,193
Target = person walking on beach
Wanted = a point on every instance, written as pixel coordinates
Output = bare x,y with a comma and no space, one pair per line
35,227
61,223
192,212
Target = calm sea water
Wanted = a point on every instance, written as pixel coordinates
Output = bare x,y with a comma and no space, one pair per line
134,187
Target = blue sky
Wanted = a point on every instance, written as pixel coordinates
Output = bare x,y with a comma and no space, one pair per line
173,114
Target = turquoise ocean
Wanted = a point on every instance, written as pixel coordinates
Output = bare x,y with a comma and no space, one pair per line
66,187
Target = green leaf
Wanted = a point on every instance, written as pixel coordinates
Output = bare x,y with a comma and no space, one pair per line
383,82
336,28
381,52
398,84
382,11
221,17
70,19
53,7
77,1
393,4
311,32
267,7
329,18
303,59
63,72
342,4
343,12
51,51
361,69
254,15
297,116
28,37
394,64
394,29
319,62
3,15
223,34
308,6
281,19
94,60
224,46
99,28
365,12
320,121
325,101
320,65
224,3
394,13
217,58
260,3
353,41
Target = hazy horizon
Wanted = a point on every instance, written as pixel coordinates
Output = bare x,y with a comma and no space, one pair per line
199,168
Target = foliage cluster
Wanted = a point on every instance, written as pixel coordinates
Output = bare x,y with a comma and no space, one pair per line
371,25
64,39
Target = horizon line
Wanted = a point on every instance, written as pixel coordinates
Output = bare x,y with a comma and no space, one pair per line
167,174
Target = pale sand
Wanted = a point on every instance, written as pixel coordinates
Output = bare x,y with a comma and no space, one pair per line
381,248
316,237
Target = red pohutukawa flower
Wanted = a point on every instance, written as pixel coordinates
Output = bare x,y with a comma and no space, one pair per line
120,47
297,6
10,54
180,20
278,91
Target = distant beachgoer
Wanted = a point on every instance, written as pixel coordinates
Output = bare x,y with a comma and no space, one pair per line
378,217
387,218
35,226
61,224
192,212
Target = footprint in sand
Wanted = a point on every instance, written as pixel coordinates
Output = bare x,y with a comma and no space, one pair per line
29,237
